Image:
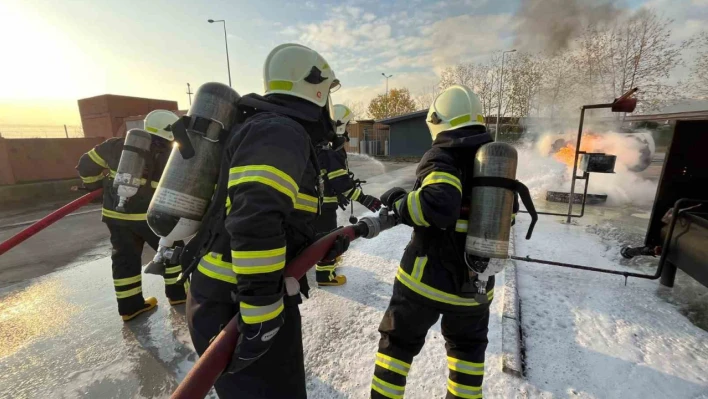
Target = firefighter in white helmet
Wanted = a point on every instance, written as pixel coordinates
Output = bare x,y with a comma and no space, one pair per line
433,279
129,229
267,199
340,188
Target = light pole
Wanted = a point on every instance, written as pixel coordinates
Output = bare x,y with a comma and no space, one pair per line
189,93
228,66
501,85
384,75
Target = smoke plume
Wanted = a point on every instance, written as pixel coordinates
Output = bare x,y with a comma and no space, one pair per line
551,25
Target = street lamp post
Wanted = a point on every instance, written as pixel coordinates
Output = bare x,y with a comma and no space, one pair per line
501,85
226,41
384,75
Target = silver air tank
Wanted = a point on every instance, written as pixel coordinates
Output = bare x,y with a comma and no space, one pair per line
129,176
491,207
187,185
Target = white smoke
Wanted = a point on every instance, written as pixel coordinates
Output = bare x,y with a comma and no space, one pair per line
541,171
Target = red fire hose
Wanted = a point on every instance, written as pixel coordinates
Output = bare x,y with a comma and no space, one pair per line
48,220
217,356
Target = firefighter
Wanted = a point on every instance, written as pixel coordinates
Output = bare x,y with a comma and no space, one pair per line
340,189
129,229
263,219
431,278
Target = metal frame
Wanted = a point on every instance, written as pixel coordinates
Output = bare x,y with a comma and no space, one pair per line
662,260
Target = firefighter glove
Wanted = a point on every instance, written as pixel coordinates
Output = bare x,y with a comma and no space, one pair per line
370,202
254,342
390,197
339,246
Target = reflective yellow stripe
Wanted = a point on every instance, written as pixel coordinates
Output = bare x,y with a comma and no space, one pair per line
442,177
336,173
256,262
357,194
264,174
173,269
171,281
112,174
461,226
460,120
123,216
127,281
307,203
418,267
325,268
464,391
414,209
393,364
513,217
258,314
97,158
465,367
435,294
330,200
387,389
154,184
129,293
280,85
228,204
211,265
92,179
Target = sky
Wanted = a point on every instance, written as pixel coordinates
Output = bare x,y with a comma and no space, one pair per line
55,52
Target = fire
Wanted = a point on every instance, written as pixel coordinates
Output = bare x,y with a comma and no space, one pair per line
566,154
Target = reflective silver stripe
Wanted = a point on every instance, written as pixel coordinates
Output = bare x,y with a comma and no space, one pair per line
259,175
258,314
418,267
392,364
305,202
465,367
269,261
442,177
390,390
415,210
223,272
461,226
465,391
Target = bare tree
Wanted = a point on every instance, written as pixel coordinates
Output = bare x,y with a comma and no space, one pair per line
426,96
698,82
642,54
358,109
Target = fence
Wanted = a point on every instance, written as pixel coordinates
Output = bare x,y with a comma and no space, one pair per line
40,131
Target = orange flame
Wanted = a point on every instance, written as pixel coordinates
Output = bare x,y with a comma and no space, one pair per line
591,143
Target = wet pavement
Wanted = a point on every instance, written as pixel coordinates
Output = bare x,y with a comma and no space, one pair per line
60,332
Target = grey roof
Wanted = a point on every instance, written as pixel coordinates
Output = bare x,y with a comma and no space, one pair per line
399,118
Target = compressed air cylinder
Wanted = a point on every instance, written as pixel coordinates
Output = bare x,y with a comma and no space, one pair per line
491,207
187,185
129,176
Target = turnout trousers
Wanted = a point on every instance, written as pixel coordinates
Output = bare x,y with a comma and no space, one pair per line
127,240
403,330
279,374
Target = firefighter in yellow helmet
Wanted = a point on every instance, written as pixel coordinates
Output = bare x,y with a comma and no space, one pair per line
127,223
433,279
266,201
340,188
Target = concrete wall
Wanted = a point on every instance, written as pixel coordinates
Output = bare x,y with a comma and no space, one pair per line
103,116
32,160
409,137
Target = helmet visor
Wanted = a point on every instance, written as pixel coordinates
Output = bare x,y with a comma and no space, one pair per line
335,86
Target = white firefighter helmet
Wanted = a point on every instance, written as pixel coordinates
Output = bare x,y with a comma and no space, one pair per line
299,71
156,122
342,116
458,106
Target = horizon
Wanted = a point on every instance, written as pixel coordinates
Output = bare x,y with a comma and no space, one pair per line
73,51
